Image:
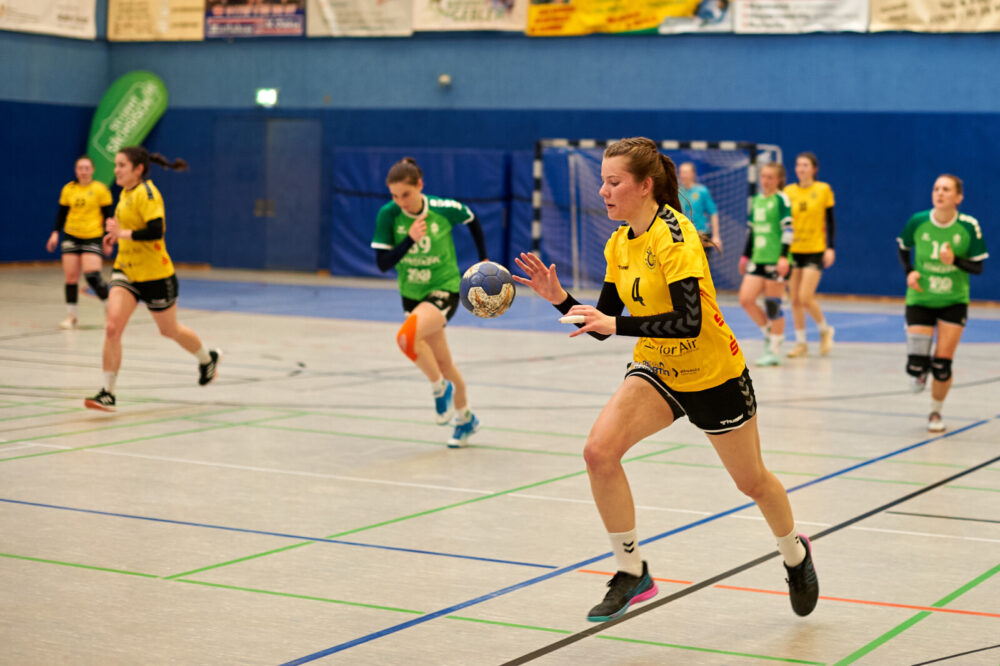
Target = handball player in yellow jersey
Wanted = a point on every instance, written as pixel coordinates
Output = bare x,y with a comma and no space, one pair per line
686,362
143,271
83,205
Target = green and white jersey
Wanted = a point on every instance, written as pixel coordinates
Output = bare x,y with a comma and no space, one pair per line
771,221
431,264
942,284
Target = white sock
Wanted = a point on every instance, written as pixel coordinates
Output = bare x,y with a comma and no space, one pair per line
791,549
936,405
800,336
438,388
109,381
626,548
823,326
463,414
71,309
776,341
765,331
203,355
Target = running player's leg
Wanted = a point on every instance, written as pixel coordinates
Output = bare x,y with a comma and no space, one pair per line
466,422
92,263
739,451
121,304
920,323
798,312
807,297
948,336
773,292
71,287
750,289
208,359
636,411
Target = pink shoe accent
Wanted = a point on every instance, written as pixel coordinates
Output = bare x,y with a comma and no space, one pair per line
648,594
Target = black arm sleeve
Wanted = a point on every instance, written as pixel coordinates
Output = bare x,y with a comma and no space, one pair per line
476,228
608,303
748,248
153,231
386,259
904,258
831,227
108,211
971,267
684,321
61,218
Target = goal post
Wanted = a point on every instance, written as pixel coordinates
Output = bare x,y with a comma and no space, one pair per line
570,226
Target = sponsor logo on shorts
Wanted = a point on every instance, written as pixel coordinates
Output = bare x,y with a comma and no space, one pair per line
731,421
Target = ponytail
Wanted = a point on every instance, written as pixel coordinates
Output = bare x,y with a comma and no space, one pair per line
137,155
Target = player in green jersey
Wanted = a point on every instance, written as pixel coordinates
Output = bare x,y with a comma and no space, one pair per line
948,246
413,233
764,264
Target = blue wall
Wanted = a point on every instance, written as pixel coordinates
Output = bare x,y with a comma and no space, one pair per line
885,113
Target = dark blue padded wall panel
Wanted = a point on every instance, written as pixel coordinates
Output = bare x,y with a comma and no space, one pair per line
477,178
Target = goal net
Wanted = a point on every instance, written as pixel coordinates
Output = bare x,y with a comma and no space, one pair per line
570,226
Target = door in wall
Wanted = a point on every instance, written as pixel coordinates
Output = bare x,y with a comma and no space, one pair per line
266,193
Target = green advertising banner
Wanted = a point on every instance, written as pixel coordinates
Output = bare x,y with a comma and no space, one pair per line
126,114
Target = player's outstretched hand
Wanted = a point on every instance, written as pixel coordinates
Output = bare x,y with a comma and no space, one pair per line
593,320
543,280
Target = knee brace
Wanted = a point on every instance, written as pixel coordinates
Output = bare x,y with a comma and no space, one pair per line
773,306
406,337
918,349
97,284
941,368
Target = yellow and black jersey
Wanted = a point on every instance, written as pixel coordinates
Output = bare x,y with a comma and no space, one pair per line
85,219
809,205
642,269
142,260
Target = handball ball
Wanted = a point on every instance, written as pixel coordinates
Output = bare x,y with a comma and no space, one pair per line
486,290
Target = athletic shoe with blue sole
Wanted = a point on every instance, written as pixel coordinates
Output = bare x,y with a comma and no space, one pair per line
463,431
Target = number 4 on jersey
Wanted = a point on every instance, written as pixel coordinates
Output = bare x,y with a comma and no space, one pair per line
635,293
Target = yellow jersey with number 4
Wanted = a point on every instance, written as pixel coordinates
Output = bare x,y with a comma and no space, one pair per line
642,269
85,219
142,260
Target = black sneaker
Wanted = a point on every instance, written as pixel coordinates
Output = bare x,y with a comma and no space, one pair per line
103,401
623,590
207,370
803,586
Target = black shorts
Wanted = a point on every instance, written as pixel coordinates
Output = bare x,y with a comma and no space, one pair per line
74,245
766,271
716,410
807,260
921,315
445,301
156,294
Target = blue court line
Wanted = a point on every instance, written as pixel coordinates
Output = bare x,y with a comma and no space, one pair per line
573,567
283,535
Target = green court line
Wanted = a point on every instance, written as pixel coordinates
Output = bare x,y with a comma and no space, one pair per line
239,559
748,655
144,438
897,630
78,566
409,611
111,427
300,596
35,416
411,516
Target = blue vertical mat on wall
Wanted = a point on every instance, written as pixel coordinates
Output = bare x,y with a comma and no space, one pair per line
477,178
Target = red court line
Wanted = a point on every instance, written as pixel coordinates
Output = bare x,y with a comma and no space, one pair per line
845,600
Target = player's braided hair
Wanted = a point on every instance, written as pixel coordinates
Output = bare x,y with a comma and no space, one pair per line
137,155
646,161
405,170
